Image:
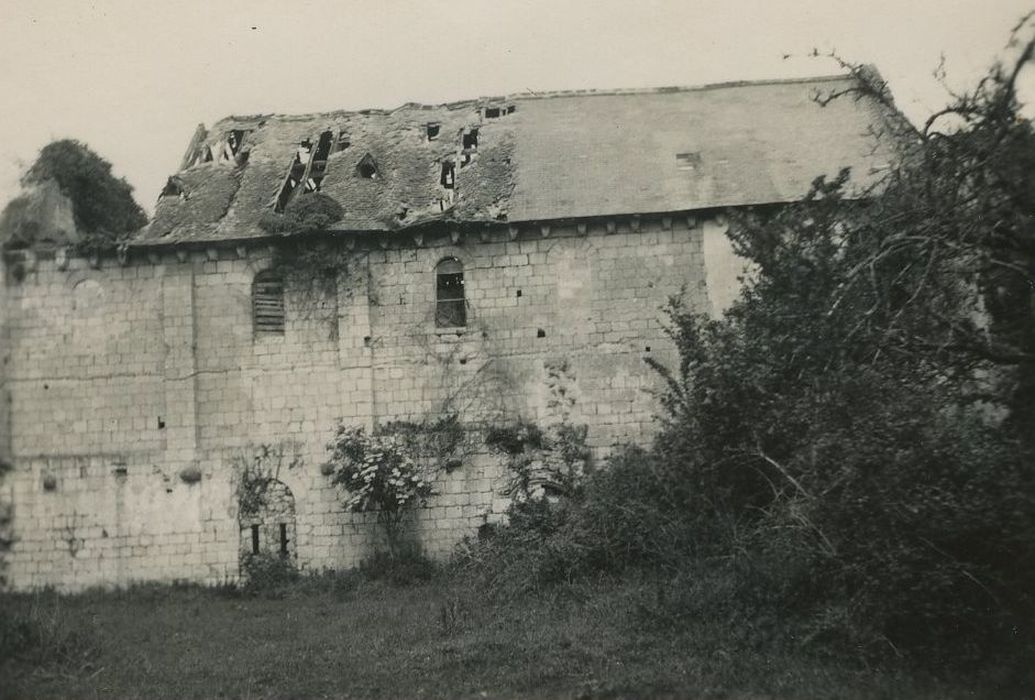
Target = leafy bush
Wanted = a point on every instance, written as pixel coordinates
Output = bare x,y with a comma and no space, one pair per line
379,476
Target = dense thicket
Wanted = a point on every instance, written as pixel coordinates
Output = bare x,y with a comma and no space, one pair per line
847,460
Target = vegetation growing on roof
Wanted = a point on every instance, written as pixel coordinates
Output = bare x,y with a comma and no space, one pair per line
305,214
103,205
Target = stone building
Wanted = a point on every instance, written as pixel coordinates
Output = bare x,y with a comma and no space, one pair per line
483,257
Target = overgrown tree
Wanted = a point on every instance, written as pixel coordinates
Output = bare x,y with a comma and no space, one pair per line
103,205
864,413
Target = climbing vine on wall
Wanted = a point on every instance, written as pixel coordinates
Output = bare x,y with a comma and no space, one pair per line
312,270
255,473
541,462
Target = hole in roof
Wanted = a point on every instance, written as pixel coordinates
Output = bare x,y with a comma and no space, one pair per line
432,129
234,139
448,176
172,189
492,112
342,143
367,167
296,171
318,163
470,139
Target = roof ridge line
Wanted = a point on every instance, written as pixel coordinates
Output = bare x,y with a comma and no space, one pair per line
533,95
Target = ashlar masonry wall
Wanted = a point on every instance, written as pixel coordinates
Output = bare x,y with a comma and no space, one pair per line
137,390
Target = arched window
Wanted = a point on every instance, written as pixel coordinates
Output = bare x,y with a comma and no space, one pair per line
450,305
268,303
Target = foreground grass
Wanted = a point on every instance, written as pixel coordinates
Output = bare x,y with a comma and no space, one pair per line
349,639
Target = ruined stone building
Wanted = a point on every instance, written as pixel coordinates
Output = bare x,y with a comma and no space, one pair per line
483,257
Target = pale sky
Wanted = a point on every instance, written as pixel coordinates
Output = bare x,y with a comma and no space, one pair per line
132,78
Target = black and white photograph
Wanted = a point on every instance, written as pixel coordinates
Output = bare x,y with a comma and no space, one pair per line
571,350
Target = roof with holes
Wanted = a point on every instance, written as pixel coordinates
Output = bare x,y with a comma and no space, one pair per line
527,157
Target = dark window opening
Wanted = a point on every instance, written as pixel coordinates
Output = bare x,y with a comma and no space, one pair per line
519,293
511,109
540,333
268,303
447,179
688,161
161,423
255,539
367,167
343,142
470,139
465,159
432,130
647,349
283,540
492,112
450,301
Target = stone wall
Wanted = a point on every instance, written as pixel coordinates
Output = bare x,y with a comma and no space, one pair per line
128,380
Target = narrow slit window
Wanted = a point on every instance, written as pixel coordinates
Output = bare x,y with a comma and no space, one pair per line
255,539
450,301
283,540
268,303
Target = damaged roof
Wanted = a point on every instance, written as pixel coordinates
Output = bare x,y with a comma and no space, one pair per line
527,157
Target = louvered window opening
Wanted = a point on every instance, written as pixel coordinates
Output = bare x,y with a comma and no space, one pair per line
268,304
450,302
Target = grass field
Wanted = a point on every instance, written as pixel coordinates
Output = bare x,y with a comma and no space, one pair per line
350,638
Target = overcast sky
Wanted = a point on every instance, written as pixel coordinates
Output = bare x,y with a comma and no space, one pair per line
132,78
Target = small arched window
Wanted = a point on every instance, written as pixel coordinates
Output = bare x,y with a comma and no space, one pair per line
268,303
450,304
